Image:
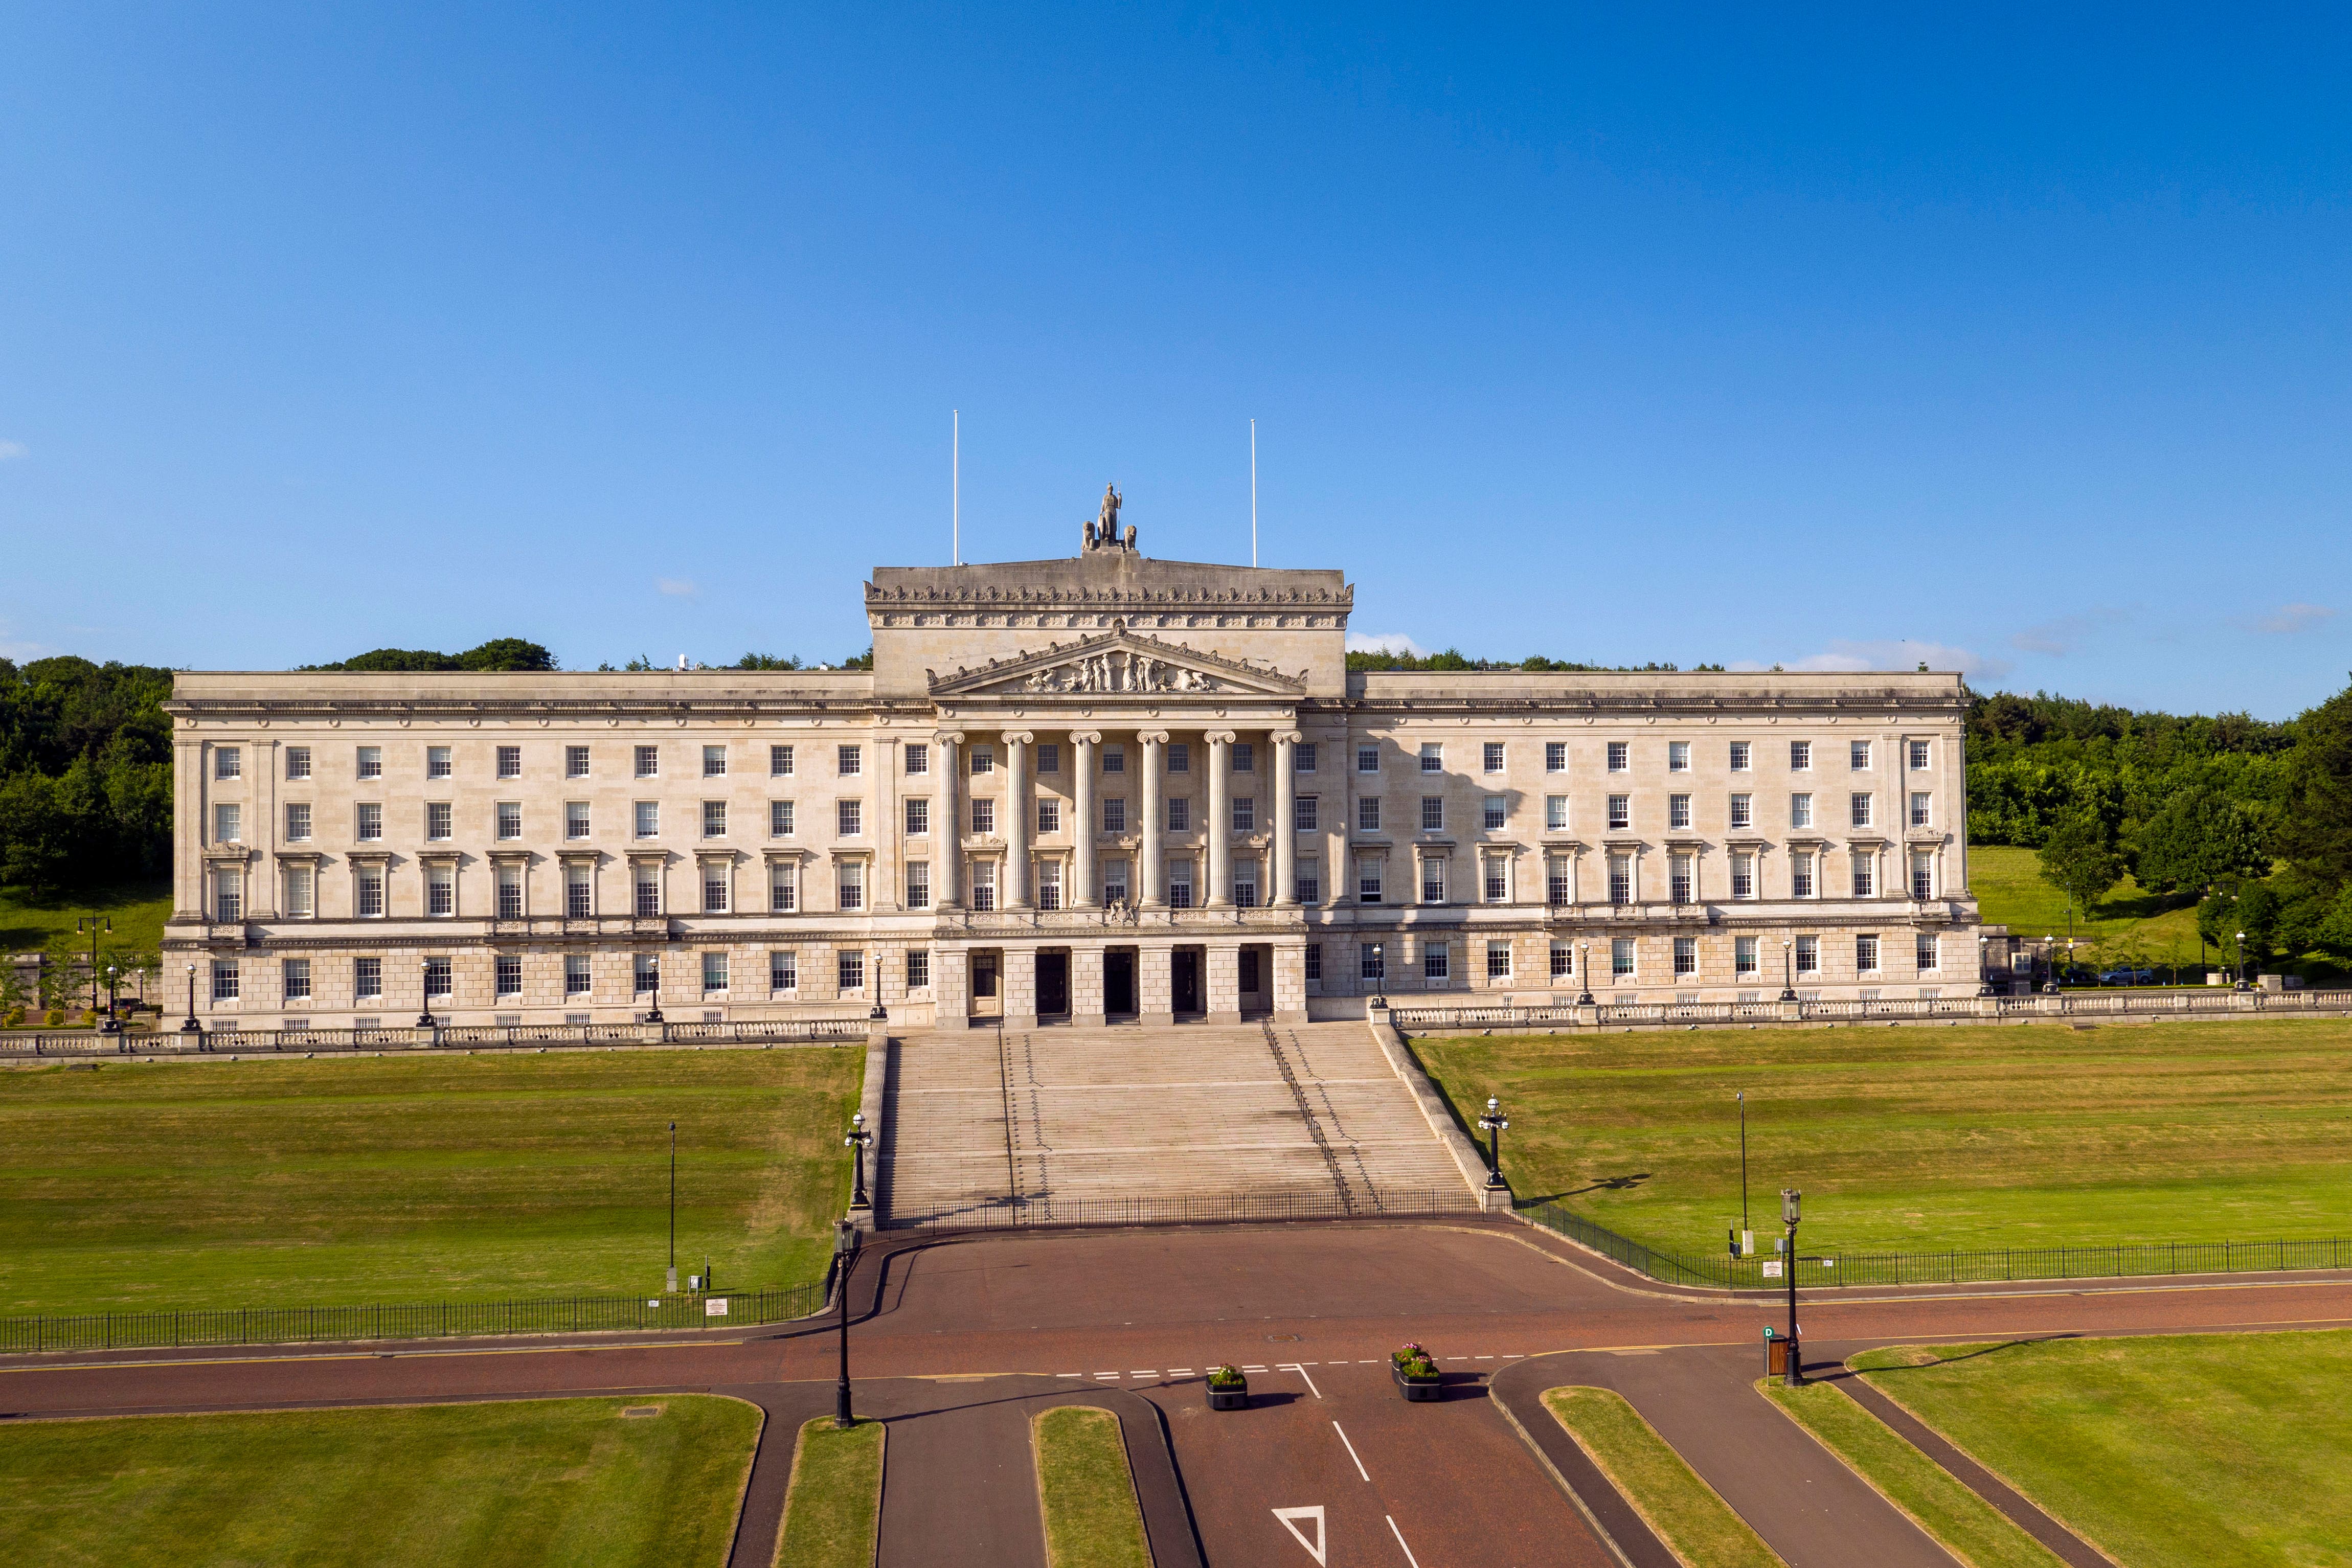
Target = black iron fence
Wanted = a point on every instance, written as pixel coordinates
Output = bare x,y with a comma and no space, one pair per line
464,1037
443,1319
1011,1213
1814,1271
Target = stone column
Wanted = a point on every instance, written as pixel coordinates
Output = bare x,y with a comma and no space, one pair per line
1219,829
1284,891
947,823
1017,821
1154,892
1082,831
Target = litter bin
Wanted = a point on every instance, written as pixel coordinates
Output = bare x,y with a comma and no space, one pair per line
1777,1351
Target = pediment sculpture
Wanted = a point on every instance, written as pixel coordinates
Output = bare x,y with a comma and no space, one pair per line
1121,663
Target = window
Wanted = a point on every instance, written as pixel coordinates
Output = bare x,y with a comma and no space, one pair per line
1049,885
1858,754
714,972
1621,956
1800,811
918,817
714,887
224,980
1555,757
1809,955
1743,957
509,888
646,974
714,762
1743,876
371,761
1861,811
1371,962
297,762
579,894
1432,813
437,818
1679,879
1180,884
1049,816
578,979
1314,963
1491,758
1436,962
1114,816
1302,813
367,979
714,818
1678,757
575,819
649,761
1556,813
1497,879
1368,814
918,759
780,762
300,888
984,886
1563,960
368,896
228,895
1114,759
1179,814
1368,759
295,975
849,760
1246,887
1922,808
850,883
1800,756
1368,880
436,762
1685,955
510,761
229,762
919,884
1621,810
1739,757
1308,887
648,816
1433,880
1049,758
1866,954
1244,813
1433,758
298,822
1302,757
508,973
1801,875
1743,811
783,970
1620,756
983,817
1678,811
849,819
648,891
1927,950
370,820
1559,883
228,823
436,977
440,890
575,762
1922,876
1180,757
784,887
1495,812
1865,874
1114,881
1620,879
780,818
1244,755
1918,756
919,969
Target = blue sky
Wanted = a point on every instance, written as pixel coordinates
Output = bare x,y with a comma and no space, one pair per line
2011,339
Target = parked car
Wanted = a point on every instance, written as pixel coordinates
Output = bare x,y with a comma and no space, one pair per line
2128,977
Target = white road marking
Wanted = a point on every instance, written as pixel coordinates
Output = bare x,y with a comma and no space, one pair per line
1290,1517
1409,1557
1147,1371
1351,1454
1301,1367
1482,1358
1253,1369
1179,1372
1069,1375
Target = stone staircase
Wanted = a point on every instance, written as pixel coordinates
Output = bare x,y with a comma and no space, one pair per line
1059,1126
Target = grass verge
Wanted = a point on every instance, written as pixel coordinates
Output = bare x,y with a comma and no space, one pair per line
2172,1452
832,1512
1931,1139
445,1177
572,1483
1972,1529
1684,1510
1086,1491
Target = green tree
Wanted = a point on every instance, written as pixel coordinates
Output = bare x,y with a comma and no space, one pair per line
2315,831
36,837
767,662
2080,859
2196,837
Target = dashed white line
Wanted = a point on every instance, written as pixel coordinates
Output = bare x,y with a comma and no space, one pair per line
1253,1369
1409,1557
1069,1375
1179,1372
1146,1371
1351,1454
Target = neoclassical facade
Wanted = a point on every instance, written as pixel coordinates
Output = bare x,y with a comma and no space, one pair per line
1095,789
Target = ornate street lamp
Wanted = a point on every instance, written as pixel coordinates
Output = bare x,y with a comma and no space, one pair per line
2241,961
95,925
1787,970
859,1139
191,1026
844,1260
1492,1123
1379,973
1584,972
424,984
877,1013
1794,1375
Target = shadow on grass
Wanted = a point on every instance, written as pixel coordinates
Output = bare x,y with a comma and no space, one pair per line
1979,1353
1605,1184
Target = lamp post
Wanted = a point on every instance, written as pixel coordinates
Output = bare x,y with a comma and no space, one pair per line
94,924
1379,973
1984,978
844,1260
1584,973
2241,961
1793,1373
673,1208
860,1139
110,1024
1742,1097
1787,970
191,1026
1492,1123
424,989
878,1013
2049,946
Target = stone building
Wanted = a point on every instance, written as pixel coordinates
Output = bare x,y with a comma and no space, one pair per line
1107,786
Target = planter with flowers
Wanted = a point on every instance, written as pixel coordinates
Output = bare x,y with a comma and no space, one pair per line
1228,1389
1416,1374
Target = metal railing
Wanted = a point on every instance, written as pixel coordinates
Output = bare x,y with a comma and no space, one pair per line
469,1037
428,1320
2066,1004
1815,1272
1011,1213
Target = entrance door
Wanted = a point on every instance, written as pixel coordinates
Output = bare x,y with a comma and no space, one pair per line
1118,982
1053,985
1185,980
987,996
1256,978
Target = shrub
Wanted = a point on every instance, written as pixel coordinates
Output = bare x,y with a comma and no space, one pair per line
16,1019
1227,1376
53,1019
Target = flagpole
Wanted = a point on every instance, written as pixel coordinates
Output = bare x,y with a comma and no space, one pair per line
1252,492
955,483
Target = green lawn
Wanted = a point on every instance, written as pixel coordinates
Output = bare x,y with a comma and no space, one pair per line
1092,1519
2178,1452
1926,1139
389,1179
1684,1511
2129,921
571,1483
138,910
833,1510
